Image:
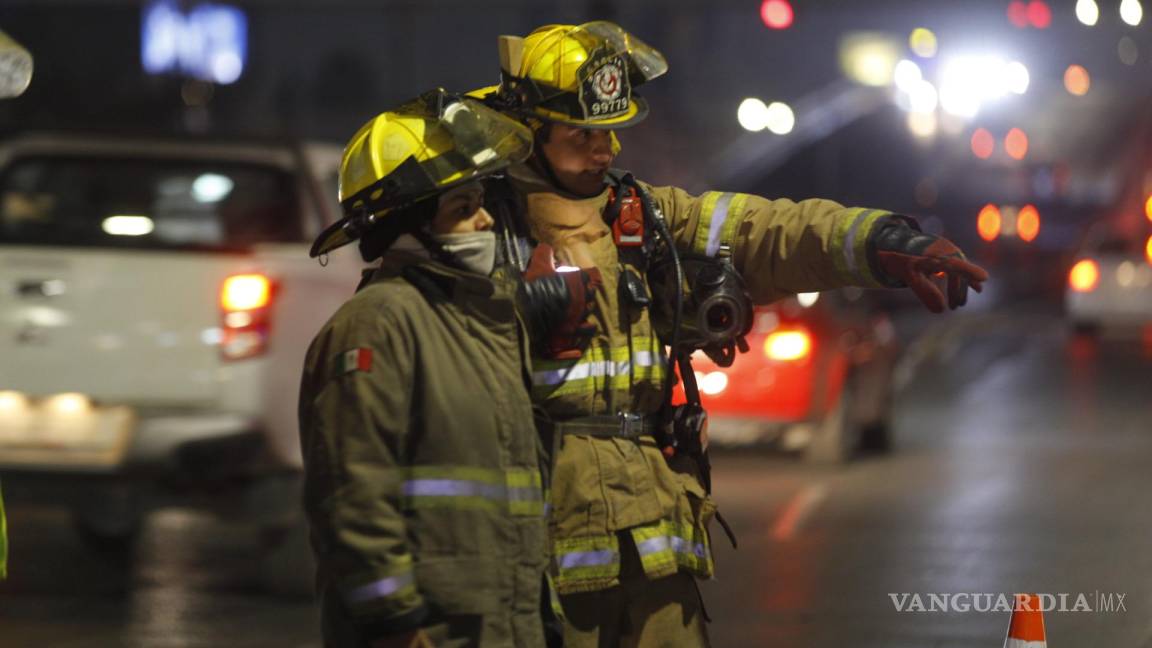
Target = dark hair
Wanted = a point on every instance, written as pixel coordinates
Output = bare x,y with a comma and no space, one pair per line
403,220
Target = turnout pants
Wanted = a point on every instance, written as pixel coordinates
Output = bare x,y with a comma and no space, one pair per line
638,613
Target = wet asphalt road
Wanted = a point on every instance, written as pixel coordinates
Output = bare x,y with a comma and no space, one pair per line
1022,465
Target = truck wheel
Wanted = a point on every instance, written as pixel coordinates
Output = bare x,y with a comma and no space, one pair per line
836,437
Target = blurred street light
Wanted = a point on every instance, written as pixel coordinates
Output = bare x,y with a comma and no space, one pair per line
1148,250
923,98
906,75
1087,12
983,144
1148,207
1131,12
922,41
779,118
777,14
1039,14
752,114
1077,80
1015,78
967,82
1016,144
868,58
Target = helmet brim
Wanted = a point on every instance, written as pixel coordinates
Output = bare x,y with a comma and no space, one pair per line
637,112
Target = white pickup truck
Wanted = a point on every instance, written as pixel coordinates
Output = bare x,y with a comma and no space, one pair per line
156,302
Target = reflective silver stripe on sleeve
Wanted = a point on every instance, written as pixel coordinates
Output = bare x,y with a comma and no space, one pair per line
453,488
716,225
850,242
587,559
381,588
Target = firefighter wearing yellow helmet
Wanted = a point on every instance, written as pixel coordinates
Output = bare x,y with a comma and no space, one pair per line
630,500
425,500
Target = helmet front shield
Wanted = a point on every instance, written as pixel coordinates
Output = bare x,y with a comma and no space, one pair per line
443,141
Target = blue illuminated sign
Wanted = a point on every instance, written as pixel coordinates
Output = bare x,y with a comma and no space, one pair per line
208,42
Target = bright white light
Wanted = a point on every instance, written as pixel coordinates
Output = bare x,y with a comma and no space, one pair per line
565,268
966,83
124,225
906,75
922,125
1015,78
780,119
1087,12
962,86
69,403
13,403
869,58
714,382
226,67
923,98
752,114
807,299
1131,12
211,187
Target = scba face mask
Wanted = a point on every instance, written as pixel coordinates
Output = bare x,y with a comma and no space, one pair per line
474,251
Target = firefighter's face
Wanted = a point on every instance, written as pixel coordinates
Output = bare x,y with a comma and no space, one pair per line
579,157
461,211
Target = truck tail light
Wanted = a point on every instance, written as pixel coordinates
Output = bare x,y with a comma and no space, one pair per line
1084,276
245,315
788,344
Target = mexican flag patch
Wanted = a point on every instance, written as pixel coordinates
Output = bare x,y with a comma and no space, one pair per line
354,360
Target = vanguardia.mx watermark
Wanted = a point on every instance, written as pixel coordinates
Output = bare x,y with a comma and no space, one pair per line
1100,602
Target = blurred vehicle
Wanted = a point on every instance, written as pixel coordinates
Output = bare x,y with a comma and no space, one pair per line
156,302
1109,284
818,378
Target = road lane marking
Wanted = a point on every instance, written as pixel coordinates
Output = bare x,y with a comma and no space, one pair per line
797,510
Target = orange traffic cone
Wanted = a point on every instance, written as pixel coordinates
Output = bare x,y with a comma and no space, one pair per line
1026,630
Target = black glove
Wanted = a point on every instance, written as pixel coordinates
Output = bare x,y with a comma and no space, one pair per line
904,256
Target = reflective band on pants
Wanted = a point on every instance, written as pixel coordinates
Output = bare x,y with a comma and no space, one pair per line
382,588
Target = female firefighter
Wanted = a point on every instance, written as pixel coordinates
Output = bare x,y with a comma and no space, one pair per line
423,484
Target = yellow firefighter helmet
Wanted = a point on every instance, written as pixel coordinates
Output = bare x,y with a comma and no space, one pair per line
416,151
581,75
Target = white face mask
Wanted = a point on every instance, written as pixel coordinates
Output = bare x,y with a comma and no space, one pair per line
476,251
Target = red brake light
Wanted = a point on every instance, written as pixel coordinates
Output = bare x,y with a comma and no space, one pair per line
1084,276
245,292
788,344
244,312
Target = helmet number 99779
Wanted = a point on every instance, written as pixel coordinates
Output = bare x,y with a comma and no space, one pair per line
610,106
